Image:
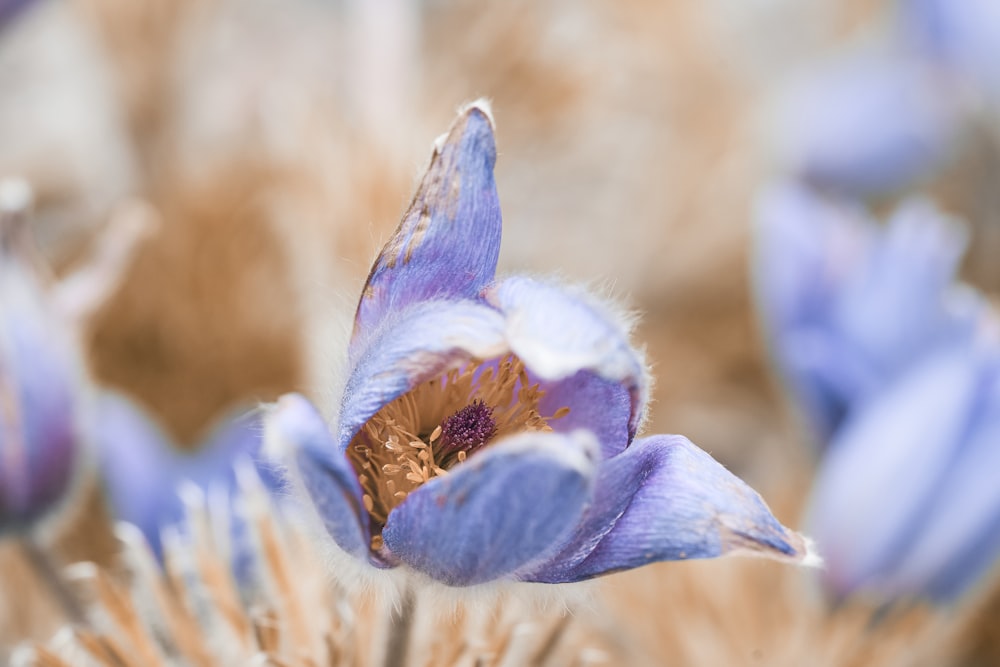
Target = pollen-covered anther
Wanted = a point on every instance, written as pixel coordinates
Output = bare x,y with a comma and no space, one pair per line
469,428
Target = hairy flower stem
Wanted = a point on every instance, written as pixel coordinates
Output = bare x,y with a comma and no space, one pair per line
400,626
47,573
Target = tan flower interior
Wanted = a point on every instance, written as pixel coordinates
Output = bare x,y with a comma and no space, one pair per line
405,444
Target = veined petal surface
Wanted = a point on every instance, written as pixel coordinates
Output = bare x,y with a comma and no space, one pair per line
665,499
446,246
499,512
327,477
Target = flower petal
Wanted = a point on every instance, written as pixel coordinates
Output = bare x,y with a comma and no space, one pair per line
410,348
902,302
872,494
848,305
806,248
827,376
449,240
557,334
959,532
137,466
40,389
142,468
600,406
962,35
866,124
665,499
332,487
499,512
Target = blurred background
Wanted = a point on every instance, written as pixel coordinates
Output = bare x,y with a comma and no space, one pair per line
276,143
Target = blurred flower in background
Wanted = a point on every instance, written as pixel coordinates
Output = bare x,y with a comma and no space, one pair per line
889,357
41,387
850,304
963,37
894,365
144,472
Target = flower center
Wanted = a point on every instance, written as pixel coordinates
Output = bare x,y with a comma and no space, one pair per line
437,425
470,427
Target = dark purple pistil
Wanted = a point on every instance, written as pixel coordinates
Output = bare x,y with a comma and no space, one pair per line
470,427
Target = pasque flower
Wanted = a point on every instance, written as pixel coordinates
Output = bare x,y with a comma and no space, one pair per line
962,36
848,304
906,501
144,470
39,380
896,365
487,427
866,123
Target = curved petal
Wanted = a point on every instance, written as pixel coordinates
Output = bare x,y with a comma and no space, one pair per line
880,477
600,406
558,334
499,512
297,429
665,499
955,541
962,35
137,466
39,398
449,240
412,346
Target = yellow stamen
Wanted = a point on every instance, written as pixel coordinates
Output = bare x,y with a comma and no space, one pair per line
400,448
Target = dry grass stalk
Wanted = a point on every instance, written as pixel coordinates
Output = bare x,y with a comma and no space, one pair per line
750,612
194,612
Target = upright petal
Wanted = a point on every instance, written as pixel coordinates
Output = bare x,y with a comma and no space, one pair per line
881,475
499,512
447,245
901,302
136,466
303,437
961,34
40,395
958,537
558,334
806,247
665,499
411,347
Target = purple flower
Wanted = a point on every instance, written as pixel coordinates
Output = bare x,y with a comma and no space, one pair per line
487,428
906,502
847,304
11,9
894,363
39,387
960,35
866,124
143,469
